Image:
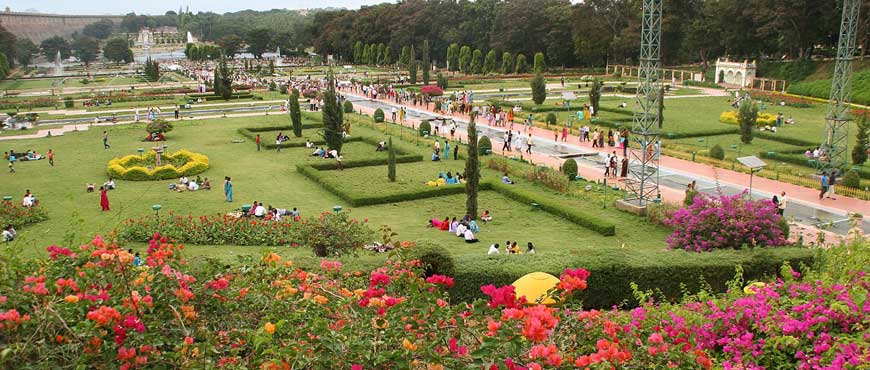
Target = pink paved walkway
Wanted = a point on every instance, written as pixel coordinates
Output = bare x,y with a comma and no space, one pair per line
795,192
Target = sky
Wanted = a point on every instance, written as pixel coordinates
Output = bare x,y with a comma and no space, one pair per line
154,7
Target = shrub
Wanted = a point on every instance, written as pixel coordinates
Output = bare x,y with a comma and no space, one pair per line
763,119
436,259
717,152
348,106
133,167
725,222
379,115
334,234
425,128
539,89
68,103
211,230
551,119
158,126
484,145
569,168
272,86
18,216
431,90
852,179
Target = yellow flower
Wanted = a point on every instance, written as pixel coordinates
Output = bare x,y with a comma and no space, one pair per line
320,299
71,299
269,328
434,367
408,345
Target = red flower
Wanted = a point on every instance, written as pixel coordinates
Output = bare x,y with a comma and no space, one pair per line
498,297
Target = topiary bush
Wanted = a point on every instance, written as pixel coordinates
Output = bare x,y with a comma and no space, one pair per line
569,168
435,258
425,128
68,103
158,126
717,152
484,145
348,106
551,118
852,179
379,115
136,167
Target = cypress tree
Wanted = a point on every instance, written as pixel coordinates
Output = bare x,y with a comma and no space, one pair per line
507,63
477,62
295,114
453,57
489,63
388,55
412,66
521,64
539,89
404,56
391,161
540,65
425,63
332,116
661,106
746,116
859,152
464,61
595,95
472,170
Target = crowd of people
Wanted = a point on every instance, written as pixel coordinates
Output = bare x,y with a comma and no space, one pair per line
465,228
258,210
447,179
186,184
511,248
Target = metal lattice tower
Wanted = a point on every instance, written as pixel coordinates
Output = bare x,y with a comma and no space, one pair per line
643,183
837,119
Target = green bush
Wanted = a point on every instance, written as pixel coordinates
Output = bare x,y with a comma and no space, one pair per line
484,146
852,179
68,103
717,152
378,115
435,258
348,106
569,168
581,218
425,128
551,119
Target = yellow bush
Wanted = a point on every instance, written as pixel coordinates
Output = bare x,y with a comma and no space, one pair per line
764,119
133,167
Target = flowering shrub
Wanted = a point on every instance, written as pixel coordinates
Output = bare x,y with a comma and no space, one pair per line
431,90
716,222
18,216
334,234
214,229
142,167
764,119
775,98
91,308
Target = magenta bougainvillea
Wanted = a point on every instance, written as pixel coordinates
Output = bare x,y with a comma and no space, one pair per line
431,90
722,222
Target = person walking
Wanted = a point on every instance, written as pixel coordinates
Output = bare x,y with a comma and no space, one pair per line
780,209
446,149
824,182
564,133
228,189
104,198
529,144
456,152
106,140
258,142
176,112
832,180
50,156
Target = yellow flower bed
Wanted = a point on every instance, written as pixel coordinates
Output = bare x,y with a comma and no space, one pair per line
141,167
764,119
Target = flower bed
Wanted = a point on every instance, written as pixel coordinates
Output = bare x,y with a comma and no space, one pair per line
18,216
212,230
89,307
764,119
141,167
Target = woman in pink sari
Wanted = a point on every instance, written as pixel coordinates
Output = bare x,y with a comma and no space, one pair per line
104,198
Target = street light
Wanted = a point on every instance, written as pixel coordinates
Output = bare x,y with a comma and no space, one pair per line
754,165
156,209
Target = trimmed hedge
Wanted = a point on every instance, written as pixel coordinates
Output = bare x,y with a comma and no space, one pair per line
785,140
668,274
569,168
236,95
584,219
711,132
251,134
378,115
484,146
132,167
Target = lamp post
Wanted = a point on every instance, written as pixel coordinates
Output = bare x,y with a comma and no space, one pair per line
156,209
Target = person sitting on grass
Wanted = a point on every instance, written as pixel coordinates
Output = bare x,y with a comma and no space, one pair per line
29,199
514,249
506,180
453,225
183,180
469,237
382,146
109,185
206,185
435,157
486,216
260,211
472,225
308,144
493,249
461,229
318,152
531,249
9,233
193,186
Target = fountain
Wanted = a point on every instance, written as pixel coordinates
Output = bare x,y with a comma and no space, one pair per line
58,65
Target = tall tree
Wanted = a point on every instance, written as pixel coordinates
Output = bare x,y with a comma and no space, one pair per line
391,160
54,44
259,41
465,59
25,51
230,45
100,29
859,152
540,64
381,48
295,114
507,63
388,55
453,57
595,95
404,56
333,122
522,66
367,54
539,89
358,52
489,63
86,49
412,66
118,50
747,115
477,62
224,79
425,62
8,43
472,170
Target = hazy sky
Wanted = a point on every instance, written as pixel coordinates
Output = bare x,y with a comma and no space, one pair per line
100,7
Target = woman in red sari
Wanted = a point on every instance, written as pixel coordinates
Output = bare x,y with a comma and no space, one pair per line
104,198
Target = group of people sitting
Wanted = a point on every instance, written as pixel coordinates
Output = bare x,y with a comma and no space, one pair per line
464,228
9,233
511,248
325,154
29,155
96,103
191,185
447,179
272,213
280,139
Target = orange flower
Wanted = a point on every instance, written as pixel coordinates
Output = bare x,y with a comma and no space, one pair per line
71,299
320,299
434,367
409,345
271,258
269,328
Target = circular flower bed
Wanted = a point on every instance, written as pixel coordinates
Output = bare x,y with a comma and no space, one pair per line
142,167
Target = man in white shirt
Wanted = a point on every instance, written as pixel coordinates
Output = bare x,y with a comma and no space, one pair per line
460,229
782,203
493,249
469,237
192,186
8,234
183,180
260,211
